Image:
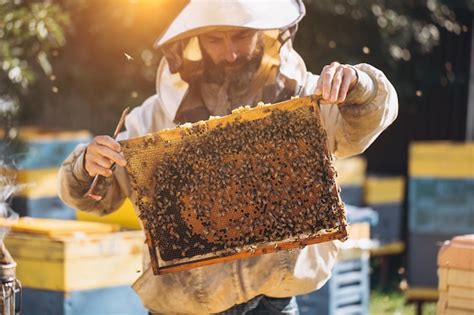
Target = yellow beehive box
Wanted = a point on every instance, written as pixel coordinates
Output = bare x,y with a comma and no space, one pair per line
351,174
125,216
351,171
70,255
442,159
384,190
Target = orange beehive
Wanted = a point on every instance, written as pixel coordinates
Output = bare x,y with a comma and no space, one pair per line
456,276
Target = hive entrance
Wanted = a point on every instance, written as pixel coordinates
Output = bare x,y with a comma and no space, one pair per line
252,182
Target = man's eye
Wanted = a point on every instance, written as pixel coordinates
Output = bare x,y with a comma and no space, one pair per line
243,36
213,40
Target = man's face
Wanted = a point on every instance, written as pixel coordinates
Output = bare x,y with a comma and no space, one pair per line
230,48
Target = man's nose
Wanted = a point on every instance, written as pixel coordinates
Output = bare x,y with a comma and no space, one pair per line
230,52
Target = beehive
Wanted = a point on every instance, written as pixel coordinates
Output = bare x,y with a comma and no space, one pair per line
71,267
440,199
385,194
456,276
253,182
37,153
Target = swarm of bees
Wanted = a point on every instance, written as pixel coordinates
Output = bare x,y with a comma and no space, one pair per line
238,185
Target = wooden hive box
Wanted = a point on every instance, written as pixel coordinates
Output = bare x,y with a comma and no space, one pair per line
39,148
348,289
257,181
73,267
385,194
440,199
125,216
38,154
351,177
456,276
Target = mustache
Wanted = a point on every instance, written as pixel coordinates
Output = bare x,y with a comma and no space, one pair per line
237,63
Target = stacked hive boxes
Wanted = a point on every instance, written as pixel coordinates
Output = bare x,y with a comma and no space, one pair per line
385,194
441,203
456,276
72,267
346,292
37,155
351,177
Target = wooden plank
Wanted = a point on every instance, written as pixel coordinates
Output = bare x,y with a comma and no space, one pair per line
421,294
456,311
125,216
37,134
460,292
382,190
350,309
442,301
354,277
56,228
348,291
460,278
464,304
442,159
343,266
443,279
350,299
388,249
35,247
79,274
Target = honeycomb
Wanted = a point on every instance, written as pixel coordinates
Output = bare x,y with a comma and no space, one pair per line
257,181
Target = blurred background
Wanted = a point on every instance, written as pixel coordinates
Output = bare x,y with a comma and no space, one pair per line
75,64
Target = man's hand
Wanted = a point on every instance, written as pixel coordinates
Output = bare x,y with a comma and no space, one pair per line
101,154
335,82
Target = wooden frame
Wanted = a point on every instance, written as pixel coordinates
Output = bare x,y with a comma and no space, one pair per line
145,155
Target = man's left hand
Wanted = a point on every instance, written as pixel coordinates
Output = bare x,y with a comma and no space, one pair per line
335,82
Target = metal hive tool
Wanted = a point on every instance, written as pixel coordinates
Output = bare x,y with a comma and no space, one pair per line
257,181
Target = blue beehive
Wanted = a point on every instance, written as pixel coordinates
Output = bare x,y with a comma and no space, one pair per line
385,194
440,203
37,154
346,292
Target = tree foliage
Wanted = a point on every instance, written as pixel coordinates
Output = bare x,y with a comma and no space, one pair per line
29,33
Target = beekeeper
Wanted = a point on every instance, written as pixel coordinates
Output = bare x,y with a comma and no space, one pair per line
219,55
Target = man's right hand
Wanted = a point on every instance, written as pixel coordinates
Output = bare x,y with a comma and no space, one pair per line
101,154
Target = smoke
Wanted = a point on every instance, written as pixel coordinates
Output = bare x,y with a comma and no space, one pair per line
8,188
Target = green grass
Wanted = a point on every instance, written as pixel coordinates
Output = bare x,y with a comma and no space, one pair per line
388,303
